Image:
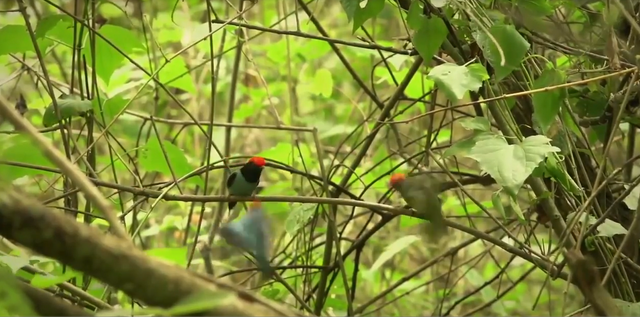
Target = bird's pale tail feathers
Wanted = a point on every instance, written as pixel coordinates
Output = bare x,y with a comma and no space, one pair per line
435,230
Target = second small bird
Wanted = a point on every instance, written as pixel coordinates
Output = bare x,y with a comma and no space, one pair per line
421,193
244,181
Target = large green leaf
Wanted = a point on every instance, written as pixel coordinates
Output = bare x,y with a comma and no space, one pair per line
415,16
19,38
365,10
429,37
110,108
511,164
512,45
350,7
456,80
107,58
13,302
21,149
56,26
69,106
176,74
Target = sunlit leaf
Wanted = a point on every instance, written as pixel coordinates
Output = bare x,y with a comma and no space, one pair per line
176,74
173,255
44,281
108,59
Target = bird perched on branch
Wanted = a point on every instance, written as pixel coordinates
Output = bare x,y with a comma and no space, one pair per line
251,233
244,181
421,193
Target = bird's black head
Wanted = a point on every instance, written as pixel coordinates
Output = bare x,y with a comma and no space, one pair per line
253,169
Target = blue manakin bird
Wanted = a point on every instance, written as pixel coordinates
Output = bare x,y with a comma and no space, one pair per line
251,233
244,181
421,193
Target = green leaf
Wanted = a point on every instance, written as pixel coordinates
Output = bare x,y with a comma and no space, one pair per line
429,37
460,147
110,108
20,148
632,199
415,16
511,164
15,263
515,208
439,3
608,228
512,44
108,58
591,104
365,10
463,146
198,302
57,26
175,255
69,106
475,123
496,200
392,249
153,159
287,153
561,176
323,83
350,7
298,217
627,308
13,302
546,104
536,8
44,281
176,74
18,36
247,109
457,80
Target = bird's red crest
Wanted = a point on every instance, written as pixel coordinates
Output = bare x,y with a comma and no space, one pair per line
258,161
396,178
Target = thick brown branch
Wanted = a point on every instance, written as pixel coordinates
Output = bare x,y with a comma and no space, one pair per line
586,277
115,262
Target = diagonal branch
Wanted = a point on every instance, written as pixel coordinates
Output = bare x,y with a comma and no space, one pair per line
116,262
